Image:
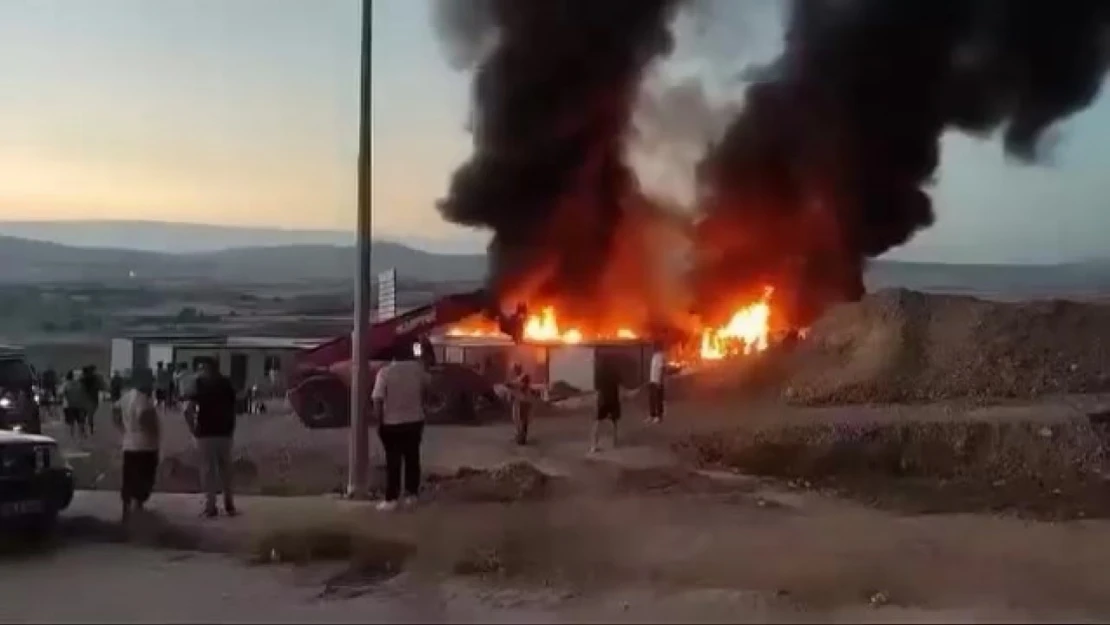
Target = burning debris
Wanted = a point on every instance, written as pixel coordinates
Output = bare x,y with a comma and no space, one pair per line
825,167
748,331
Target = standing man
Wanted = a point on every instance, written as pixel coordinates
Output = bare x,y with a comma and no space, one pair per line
115,393
137,419
210,414
608,383
398,396
520,385
115,387
93,386
74,406
656,372
49,387
163,383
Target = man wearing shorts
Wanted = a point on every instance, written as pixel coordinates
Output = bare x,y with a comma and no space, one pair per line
608,385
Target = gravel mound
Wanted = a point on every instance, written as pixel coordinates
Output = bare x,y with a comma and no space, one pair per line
904,346
980,449
1034,469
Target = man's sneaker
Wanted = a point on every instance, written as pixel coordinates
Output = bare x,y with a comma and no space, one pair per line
209,513
410,501
386,506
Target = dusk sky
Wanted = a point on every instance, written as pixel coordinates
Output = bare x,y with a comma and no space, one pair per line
245,112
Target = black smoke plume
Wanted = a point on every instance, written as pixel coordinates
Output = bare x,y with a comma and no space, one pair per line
829,163
553,92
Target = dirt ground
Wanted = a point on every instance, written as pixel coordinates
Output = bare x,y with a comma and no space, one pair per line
658,529
115,584
1041,459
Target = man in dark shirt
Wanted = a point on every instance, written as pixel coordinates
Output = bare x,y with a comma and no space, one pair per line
608,386
210,413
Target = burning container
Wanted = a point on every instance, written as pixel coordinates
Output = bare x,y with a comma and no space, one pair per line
575,364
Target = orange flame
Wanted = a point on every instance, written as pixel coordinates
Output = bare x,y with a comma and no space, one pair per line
746,332
543,327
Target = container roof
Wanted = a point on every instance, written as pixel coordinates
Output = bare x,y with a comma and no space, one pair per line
504,341
273,342
214,341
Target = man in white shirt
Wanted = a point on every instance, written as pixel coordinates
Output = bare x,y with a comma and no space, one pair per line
399,390
655,384
137,418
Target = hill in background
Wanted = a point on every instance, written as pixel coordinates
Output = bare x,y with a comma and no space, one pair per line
23,261
186,238
271,256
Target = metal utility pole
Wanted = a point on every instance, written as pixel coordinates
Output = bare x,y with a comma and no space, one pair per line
358,455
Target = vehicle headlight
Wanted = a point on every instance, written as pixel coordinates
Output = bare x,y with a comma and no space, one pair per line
6,402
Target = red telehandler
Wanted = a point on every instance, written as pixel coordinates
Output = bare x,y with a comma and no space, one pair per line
320,383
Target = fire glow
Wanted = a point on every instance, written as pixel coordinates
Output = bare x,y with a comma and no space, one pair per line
746,332
543,327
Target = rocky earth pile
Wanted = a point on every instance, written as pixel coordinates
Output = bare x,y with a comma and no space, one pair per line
904,346
1035,469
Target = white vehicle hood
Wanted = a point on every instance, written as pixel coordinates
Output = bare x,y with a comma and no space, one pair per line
9,437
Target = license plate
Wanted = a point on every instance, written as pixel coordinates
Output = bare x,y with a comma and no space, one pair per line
20,508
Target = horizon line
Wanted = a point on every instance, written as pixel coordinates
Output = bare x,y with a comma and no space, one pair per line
396,240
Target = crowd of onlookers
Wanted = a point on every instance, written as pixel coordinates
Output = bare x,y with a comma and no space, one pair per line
78,395
208,403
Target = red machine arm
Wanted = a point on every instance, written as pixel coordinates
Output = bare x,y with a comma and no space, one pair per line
405,329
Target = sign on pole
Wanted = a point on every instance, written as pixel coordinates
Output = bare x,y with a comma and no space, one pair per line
387,294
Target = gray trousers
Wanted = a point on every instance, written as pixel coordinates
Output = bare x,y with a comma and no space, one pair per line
216,470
